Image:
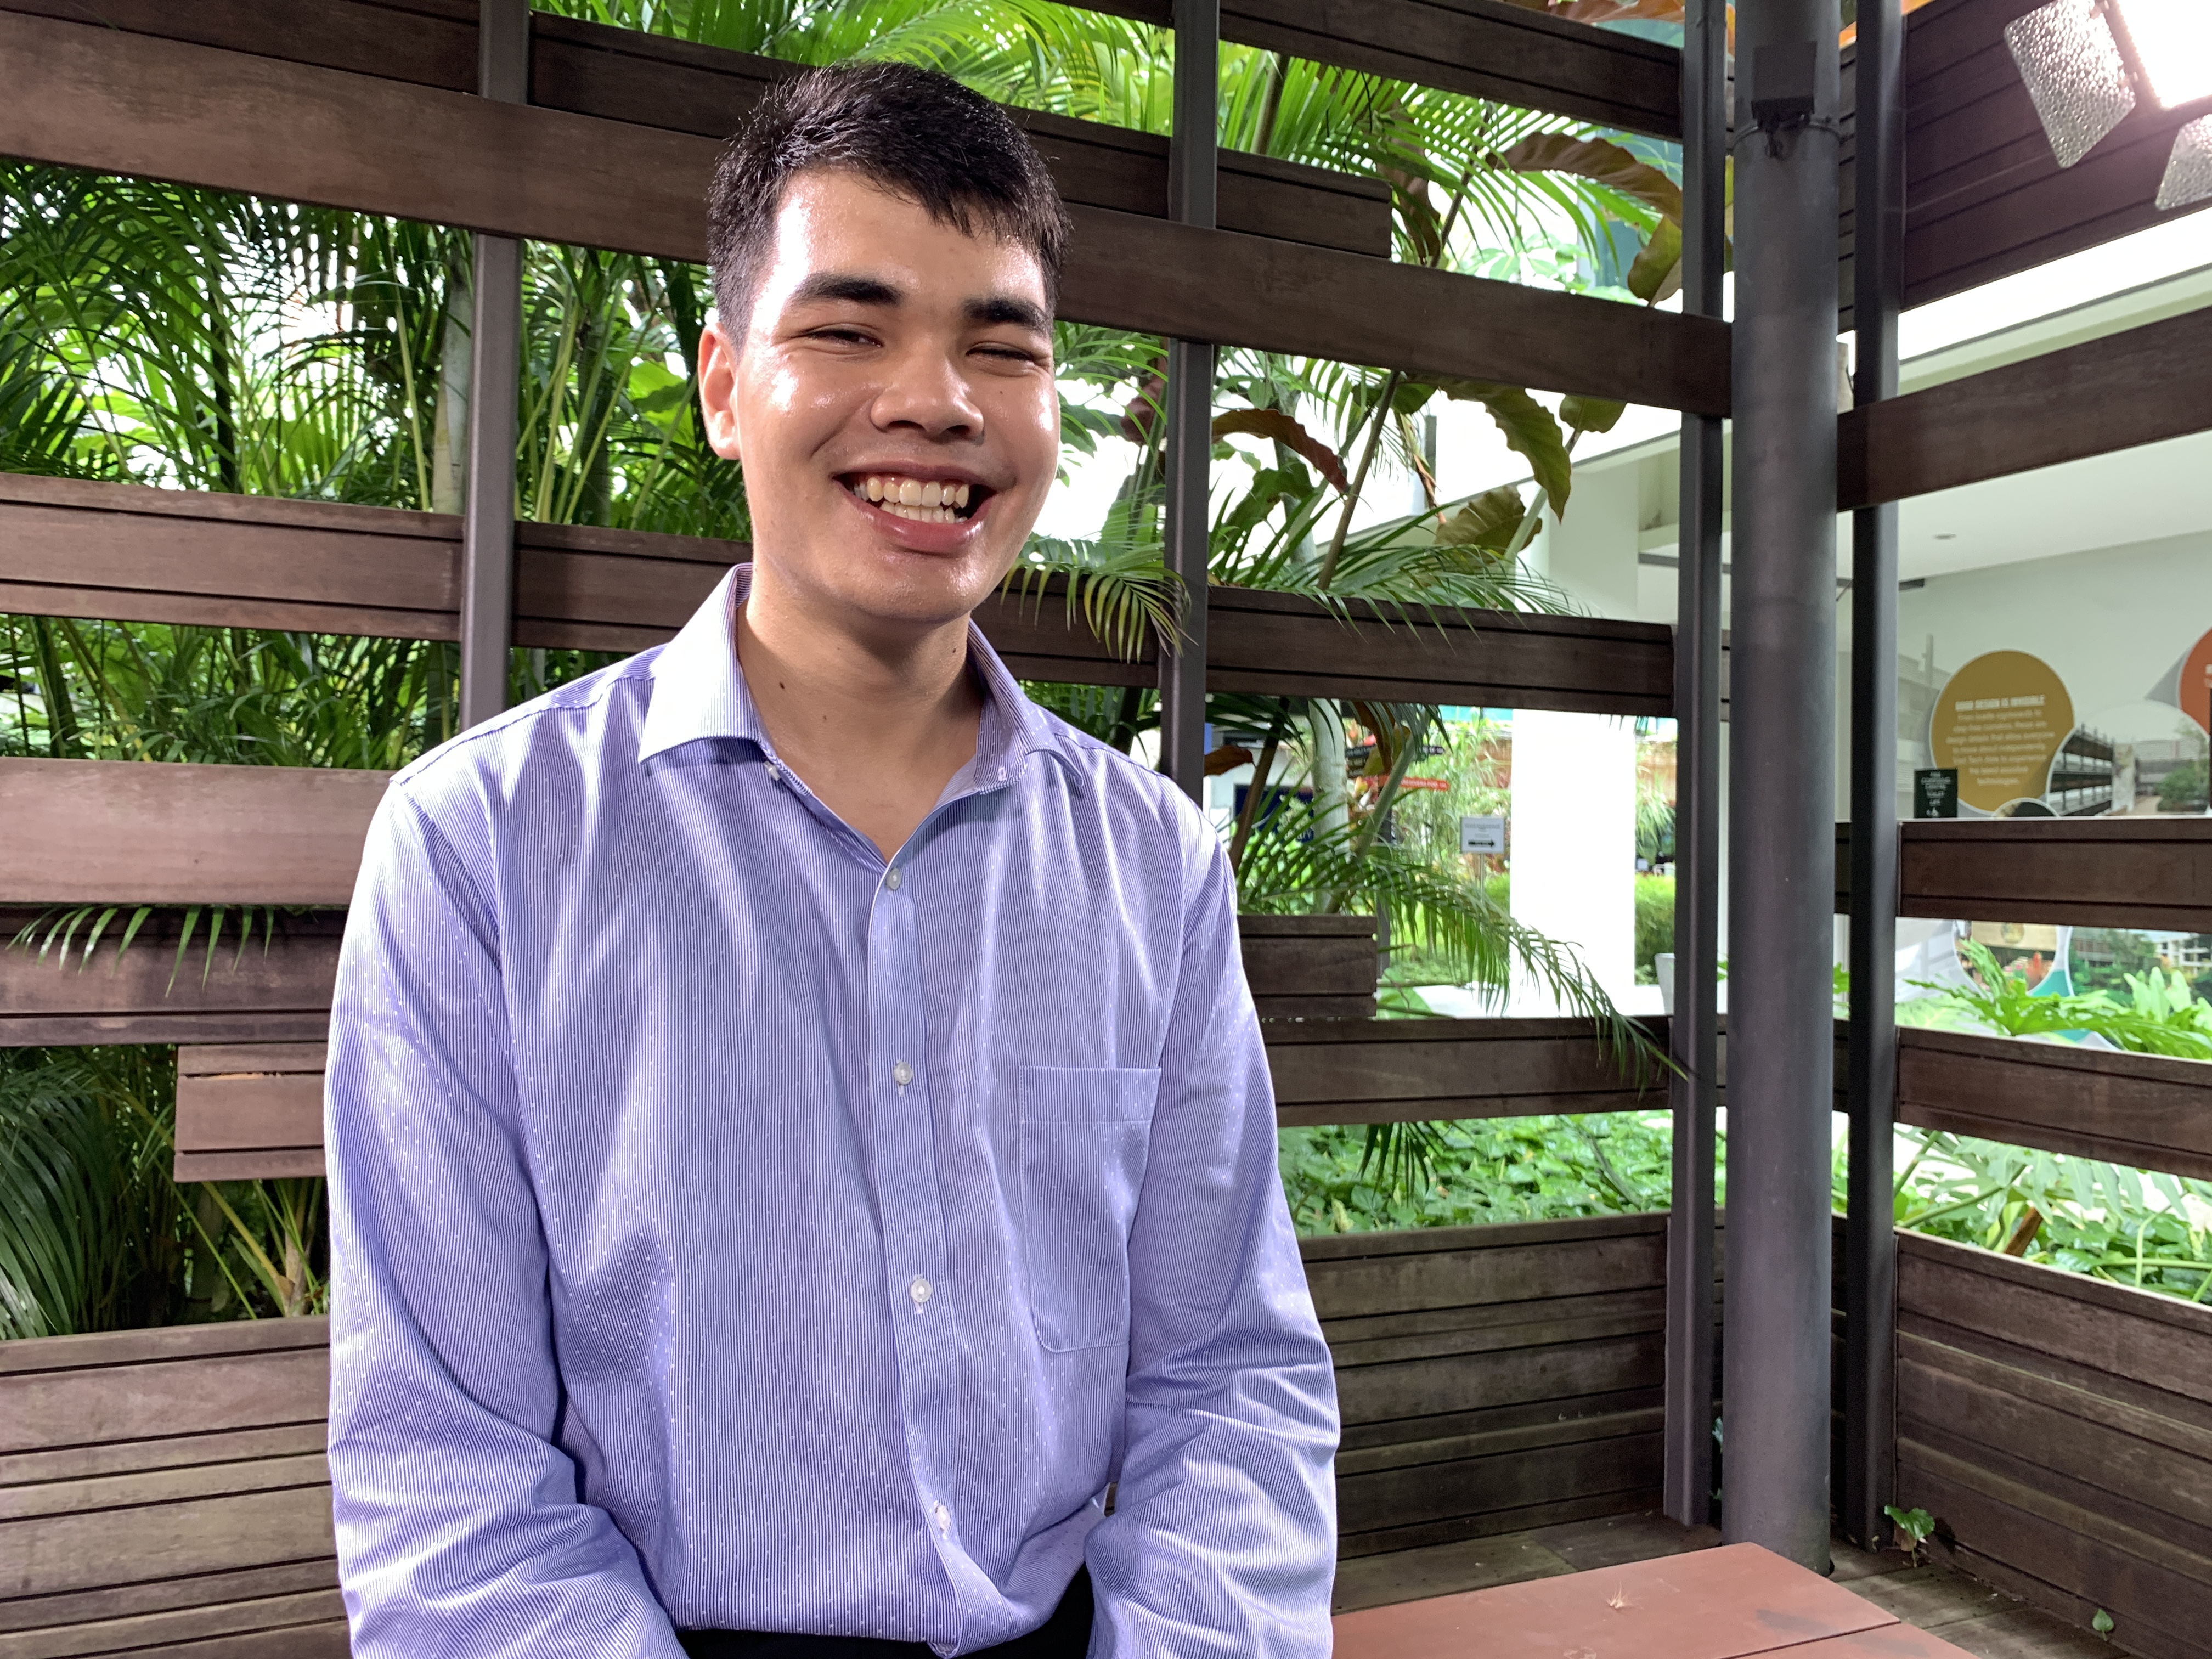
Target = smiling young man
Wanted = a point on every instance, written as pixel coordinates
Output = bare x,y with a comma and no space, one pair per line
799,1138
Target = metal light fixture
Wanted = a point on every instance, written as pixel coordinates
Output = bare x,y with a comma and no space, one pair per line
2087,63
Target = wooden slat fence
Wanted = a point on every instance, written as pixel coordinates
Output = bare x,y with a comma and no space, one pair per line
232,120
165,1487
2059,1428
1494,1378
75,548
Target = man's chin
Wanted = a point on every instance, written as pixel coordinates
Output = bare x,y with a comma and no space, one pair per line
912,593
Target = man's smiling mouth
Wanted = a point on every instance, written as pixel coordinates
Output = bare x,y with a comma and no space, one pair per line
925,500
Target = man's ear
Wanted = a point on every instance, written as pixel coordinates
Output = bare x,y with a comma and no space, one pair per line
718,391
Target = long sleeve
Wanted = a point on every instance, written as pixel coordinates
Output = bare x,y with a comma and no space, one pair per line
1223,1538
460,1528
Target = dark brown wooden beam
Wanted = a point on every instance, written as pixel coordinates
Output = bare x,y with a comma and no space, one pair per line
134,103
249,1111
128,832
2141,1111
75,548
1507,53
2091,872
2136,387
1433,1070
277,989
654,81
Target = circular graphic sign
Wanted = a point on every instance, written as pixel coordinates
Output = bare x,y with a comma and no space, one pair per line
2000,720
2196,686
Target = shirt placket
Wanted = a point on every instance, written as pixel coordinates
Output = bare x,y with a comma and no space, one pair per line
917,1275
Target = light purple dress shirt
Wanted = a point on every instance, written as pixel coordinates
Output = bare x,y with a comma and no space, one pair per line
731,1228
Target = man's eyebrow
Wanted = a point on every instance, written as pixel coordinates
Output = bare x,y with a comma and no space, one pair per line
851,288
1006,308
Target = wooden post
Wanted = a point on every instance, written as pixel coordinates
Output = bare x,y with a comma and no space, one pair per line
1693,1045
1869,1471
495,377
1192,158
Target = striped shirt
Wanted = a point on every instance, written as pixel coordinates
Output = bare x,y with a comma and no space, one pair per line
733,1229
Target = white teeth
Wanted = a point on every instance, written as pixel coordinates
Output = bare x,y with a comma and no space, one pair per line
910,498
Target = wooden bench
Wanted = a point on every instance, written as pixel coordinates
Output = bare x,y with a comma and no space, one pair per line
166,1490
1731,1603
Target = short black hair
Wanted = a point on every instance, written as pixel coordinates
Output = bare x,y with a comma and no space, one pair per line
911,132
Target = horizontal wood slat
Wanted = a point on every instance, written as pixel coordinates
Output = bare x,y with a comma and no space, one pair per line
2092,872
276,988
1490,50
2135,387
1285,644
248,1111
2142,1111
2096,872
1426,1070
1487,50
72,547
2059,1428
1492,1377
134,103
655,81
1311,967
85,832
1984,195
624,74
163,1487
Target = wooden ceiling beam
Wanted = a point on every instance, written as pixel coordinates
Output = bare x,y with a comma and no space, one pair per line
2135,387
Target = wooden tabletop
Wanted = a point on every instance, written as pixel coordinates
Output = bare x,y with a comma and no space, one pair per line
1727,1604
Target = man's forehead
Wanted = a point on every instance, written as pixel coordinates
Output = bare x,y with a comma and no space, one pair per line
842,238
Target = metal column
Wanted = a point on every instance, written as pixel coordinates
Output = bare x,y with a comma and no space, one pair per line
495,372
1689,1455
1870,1234
1192,157
1782,784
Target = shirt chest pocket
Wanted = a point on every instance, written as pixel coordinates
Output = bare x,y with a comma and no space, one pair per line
1085,1132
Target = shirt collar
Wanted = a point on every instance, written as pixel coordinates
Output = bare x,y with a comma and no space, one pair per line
699,691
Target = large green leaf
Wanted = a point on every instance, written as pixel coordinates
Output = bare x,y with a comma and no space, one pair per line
1285,430
1489,521
1656,273
1529,429
1600,161
1581,414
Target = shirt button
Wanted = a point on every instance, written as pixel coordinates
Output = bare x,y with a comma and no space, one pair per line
893,879
775,772
902,1073
922,1290
942,1516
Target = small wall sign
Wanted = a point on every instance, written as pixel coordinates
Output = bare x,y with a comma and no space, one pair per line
1936,793
1483,833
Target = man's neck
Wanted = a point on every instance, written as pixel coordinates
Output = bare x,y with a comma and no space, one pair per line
875,721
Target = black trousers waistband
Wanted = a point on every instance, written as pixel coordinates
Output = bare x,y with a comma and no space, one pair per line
1066,1635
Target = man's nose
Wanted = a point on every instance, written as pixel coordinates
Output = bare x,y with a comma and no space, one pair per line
927,391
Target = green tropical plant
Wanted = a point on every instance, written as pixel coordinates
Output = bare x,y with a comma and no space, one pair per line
2163,1016
1914,1526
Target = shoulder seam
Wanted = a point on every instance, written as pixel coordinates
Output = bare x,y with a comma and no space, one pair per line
536,708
